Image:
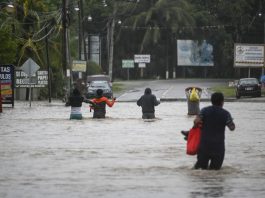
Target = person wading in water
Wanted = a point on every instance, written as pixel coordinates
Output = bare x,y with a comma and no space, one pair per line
100,102
148,102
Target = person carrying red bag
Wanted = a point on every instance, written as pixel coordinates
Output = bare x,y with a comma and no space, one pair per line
213,120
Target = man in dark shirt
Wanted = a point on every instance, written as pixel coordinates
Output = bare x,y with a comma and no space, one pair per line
214,119
148,102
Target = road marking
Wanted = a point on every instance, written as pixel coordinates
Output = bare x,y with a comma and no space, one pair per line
165,93
122,95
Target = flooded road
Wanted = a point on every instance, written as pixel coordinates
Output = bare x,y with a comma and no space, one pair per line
44,154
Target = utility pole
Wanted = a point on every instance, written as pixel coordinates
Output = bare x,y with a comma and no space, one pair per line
64,37
83,38
111,29
110,37
65,46
48,64
80,38
262,71
111,46
1,108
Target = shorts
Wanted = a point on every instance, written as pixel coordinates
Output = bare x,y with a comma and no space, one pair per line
76,117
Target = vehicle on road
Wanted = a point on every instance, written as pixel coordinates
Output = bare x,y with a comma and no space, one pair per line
248,87
99,77
93,86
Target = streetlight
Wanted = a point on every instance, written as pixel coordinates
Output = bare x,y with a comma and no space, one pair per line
89,18
6,4
110,34
260,15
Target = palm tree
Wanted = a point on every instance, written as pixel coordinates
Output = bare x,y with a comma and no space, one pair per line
161,17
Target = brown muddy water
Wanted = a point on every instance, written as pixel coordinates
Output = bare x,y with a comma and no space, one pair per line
44,154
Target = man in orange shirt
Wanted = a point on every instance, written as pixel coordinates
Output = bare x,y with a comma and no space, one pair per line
100,104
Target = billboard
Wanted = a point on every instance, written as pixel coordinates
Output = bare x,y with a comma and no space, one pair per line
194,53
7,84
248,55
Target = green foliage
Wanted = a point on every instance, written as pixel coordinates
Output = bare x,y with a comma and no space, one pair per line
227,91
93,68
8,48
117,87
148,26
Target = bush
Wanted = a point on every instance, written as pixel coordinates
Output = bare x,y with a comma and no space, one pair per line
93,68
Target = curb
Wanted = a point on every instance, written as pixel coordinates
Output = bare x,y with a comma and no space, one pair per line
248,100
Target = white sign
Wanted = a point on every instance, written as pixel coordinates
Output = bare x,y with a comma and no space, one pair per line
141,65
68,73
142,58
127,64
248,55
79,66
30,67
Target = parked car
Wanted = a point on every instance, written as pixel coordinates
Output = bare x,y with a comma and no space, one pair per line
93,86
248,87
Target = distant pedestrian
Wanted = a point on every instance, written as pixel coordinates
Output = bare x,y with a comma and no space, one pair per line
148,101
75,101
100,104
213,120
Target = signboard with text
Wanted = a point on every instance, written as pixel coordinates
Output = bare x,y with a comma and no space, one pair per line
39,79
248,55
127,63
142,58
7,84
79,66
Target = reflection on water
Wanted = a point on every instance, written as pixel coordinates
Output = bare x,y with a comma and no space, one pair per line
44,154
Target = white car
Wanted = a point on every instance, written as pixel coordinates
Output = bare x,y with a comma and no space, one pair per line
93,86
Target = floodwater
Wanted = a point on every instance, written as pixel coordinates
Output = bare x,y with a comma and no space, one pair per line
44,154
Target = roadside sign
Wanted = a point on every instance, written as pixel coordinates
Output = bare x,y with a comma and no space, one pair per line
30,67
141,65
7,84
142,58
248,55
79,66
38,80
127,63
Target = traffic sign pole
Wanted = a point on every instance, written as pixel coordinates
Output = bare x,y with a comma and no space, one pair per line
30,68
